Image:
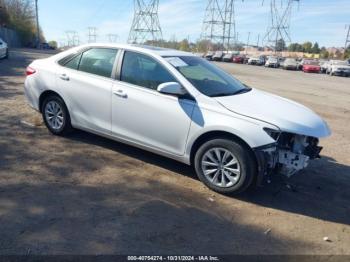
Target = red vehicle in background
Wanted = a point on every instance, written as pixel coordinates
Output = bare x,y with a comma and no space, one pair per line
238,59
311,66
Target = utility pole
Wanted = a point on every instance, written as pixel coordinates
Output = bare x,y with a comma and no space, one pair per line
37,25
246,48
257,44
219,24
145,26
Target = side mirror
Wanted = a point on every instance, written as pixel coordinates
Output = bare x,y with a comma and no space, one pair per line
171,88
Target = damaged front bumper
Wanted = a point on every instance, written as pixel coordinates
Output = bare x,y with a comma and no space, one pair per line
290,154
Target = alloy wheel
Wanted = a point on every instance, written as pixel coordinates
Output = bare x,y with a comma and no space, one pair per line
221,167
54,115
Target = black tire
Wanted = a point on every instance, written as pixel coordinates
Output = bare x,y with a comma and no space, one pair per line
66,126
248,167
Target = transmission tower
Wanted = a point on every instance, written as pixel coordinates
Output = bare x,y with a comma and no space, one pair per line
145,25
92,35
279,22
219,23
112,38
347,41
72,38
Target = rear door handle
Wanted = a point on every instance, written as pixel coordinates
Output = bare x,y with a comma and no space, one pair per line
64,77
120,93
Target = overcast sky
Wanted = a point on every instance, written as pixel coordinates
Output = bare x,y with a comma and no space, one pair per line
323,21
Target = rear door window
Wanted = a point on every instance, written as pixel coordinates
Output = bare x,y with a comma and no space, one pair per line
74,62
98,61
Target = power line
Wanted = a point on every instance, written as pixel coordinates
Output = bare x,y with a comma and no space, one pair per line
145,25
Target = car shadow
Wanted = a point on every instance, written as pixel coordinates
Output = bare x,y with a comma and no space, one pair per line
320,191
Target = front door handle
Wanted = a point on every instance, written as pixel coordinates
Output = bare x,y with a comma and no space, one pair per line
64,77
120,93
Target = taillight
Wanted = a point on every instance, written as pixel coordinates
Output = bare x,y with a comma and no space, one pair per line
30,71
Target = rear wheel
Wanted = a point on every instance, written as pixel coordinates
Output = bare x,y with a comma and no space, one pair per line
56,116
225,166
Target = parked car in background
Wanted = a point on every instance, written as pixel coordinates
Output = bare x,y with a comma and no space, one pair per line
324,65
239,59
46,46
272,62
256,60
246,59
209,55
300,62
4,51
338,68
199,54
176,105
218,56
311,66
281,61
290,64
228,57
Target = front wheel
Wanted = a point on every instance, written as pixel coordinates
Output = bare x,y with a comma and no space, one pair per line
56,116
225,166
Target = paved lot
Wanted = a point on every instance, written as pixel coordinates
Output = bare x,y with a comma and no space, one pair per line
89,195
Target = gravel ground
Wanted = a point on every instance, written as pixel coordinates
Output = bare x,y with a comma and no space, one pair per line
88,195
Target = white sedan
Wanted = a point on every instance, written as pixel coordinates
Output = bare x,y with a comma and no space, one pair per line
3,49
177,105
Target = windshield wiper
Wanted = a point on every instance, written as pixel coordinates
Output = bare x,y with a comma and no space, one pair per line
241,91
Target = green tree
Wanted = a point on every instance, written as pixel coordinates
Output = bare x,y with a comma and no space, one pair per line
347,53
53,44
280,45
19,15
307,47
316,49
324,53
184,45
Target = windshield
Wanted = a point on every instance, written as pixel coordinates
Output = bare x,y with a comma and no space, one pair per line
206,77
311,63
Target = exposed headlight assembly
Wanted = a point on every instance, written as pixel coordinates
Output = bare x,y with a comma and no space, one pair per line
274,134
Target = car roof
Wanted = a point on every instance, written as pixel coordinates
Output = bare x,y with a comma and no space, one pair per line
143,48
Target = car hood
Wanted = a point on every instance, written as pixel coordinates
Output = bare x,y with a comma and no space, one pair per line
312,66
287,115
341,66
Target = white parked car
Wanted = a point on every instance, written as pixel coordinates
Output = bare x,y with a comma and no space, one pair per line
272,62
3,49
290,64
177,105
338,67
256,60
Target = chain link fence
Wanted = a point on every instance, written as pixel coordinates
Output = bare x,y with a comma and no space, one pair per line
10,37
